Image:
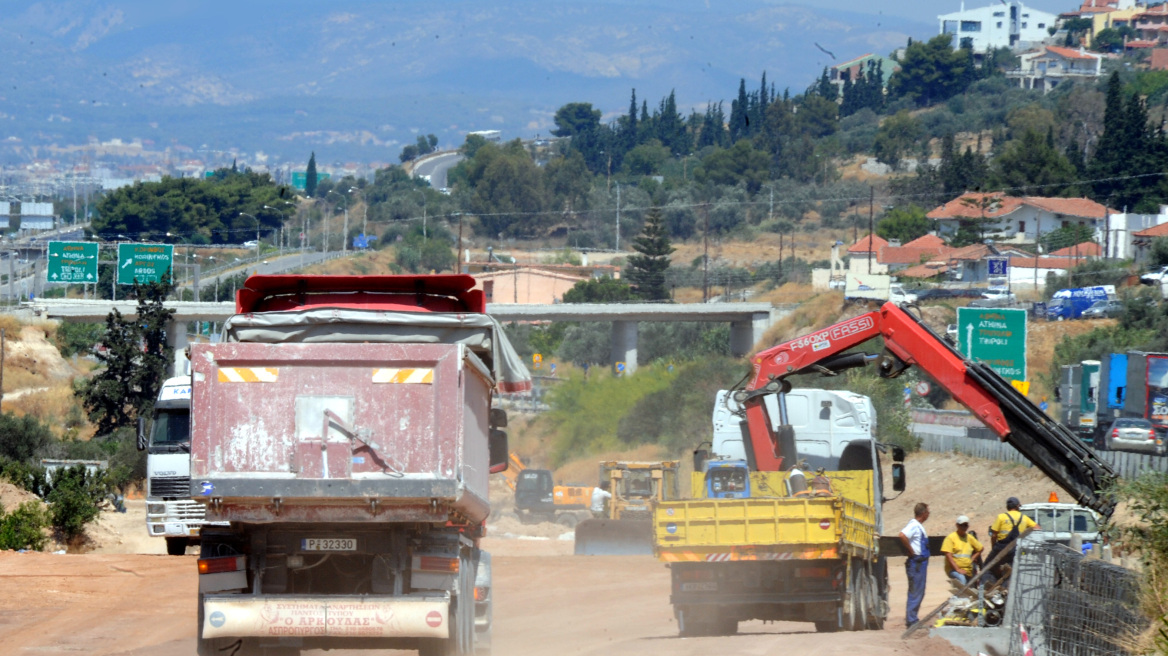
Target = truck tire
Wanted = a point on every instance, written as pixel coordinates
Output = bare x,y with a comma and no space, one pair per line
462,632
829,626
177,546
568,519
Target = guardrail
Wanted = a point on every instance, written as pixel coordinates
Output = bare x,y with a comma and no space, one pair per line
1128,465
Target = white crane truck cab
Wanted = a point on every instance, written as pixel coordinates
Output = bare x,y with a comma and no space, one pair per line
825,423
170,511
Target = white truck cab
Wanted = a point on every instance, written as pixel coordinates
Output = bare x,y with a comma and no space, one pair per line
170,512
825,423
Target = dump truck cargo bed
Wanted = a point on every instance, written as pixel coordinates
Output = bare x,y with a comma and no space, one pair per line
340,432
763,529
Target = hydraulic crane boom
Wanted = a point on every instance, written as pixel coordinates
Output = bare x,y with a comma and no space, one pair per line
907,341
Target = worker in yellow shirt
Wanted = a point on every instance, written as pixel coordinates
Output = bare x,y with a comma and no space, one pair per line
960,549
1004,533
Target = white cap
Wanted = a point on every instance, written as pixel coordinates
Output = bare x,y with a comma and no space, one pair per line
962,519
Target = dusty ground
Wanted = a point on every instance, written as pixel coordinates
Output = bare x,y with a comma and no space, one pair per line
547,601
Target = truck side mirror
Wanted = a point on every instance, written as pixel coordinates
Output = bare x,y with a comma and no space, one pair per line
785,441
898,477
700,456
141,433
897,453
498,418
497,451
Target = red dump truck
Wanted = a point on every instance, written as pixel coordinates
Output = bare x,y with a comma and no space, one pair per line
344,429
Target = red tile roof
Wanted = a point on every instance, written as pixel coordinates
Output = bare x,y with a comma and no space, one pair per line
1085,249
968,205
1155,231
862,246
904,255
1043,262
927,241
971,252
1071,53
924,270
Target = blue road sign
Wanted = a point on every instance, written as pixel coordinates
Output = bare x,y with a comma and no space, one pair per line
363,241
999,266
620,367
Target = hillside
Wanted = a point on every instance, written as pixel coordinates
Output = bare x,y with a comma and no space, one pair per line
357,81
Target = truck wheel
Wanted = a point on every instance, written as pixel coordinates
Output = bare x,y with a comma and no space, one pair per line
461,640
830,626
568,519
177,546
692,623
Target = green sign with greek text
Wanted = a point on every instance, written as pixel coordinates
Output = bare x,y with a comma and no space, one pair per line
996,337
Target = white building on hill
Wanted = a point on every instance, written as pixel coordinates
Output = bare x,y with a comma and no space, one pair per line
1000,25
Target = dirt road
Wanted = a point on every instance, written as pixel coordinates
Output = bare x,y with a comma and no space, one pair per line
547,603
122,601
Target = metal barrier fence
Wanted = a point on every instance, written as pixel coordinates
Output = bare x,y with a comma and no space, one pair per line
1128,465
1071,605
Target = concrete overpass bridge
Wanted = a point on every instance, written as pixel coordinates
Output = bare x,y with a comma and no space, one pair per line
748,321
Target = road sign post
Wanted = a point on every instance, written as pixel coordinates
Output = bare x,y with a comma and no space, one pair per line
72,262
144,263
994,336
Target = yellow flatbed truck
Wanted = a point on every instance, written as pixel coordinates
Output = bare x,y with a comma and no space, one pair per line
774,556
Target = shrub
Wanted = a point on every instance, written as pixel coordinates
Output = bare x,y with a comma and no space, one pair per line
74,499
22,438
23,528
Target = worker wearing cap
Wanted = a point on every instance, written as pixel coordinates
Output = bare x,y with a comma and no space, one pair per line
916,566
960,549
1005,530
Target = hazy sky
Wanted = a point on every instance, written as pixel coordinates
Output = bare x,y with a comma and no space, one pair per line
926,10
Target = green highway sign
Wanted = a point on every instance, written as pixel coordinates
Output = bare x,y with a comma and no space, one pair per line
72,262
994,336
144,262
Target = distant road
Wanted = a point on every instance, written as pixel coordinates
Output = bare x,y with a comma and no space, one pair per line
269,265
436,167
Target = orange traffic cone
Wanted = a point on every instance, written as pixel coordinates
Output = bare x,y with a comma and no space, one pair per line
1053,498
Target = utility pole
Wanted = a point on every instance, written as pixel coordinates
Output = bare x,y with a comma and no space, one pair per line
458,256
618,217
1106,234
1,365
871,224
771,214
706,255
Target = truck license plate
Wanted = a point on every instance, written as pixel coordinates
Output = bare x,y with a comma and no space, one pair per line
705,586
328,544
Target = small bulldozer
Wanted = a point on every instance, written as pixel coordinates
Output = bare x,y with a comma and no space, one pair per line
626,525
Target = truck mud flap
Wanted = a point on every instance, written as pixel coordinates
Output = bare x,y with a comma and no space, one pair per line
891,546
266,616
614,537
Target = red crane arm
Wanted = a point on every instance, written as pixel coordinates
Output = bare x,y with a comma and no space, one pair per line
1043,441
904,337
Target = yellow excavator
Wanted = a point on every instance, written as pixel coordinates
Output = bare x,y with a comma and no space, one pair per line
626,527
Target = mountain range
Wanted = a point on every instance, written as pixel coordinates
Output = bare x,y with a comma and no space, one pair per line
357,80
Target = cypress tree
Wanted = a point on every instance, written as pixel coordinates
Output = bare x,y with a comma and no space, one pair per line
739,118
310,176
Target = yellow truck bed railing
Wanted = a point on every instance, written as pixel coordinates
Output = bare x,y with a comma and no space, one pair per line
769,528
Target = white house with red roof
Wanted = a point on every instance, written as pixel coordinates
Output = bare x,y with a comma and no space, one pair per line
1142,240
1017,219
1045,68
858,260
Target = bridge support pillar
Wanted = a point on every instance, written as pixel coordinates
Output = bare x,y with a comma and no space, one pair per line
624,344
745,334
176,337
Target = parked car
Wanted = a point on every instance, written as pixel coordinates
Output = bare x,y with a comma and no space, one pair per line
1134,434
1101,309
1060,520
1155,277
995,299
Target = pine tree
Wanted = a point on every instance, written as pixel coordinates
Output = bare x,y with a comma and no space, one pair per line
310,176
646,270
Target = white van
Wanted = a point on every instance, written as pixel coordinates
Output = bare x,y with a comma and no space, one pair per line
825,423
